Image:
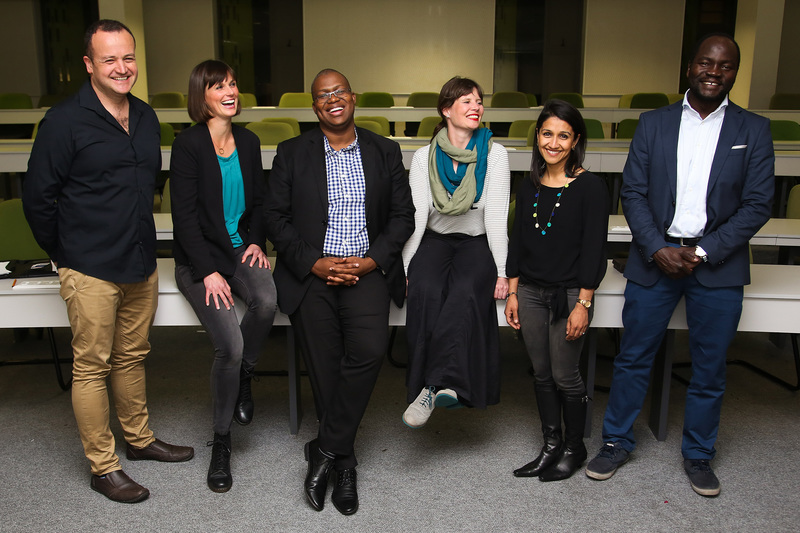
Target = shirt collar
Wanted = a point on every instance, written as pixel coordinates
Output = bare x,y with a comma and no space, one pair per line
350,147
717,111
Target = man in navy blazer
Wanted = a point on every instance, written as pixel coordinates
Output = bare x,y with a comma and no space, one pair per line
338,210
697,186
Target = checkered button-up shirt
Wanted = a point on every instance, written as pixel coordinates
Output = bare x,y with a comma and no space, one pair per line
347,222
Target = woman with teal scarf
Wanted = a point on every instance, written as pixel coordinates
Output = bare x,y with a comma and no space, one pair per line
456,260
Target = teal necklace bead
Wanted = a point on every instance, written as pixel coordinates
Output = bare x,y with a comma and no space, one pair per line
552,211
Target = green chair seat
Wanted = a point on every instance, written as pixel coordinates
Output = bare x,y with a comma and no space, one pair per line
784,130
626,128
385,127
375,99
371,125
271,133
649,100
427,125
532,102
248,99
293,122
168,100
509,99
575,99
422,99
594,129
296,100
520,128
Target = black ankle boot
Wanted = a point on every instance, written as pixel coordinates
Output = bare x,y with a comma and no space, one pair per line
574,452
549,405
219,471
243,412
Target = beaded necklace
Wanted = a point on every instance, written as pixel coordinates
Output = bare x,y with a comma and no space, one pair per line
552,212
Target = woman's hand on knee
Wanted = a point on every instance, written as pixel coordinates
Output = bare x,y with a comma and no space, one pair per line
218,289
256,255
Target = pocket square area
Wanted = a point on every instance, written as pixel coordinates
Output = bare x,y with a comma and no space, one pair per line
739,147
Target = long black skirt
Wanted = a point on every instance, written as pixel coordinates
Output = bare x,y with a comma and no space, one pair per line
451,319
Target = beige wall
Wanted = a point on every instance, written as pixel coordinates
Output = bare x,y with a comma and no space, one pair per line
758,32
180,34
130,13
19,46
400,47
789,63
631,46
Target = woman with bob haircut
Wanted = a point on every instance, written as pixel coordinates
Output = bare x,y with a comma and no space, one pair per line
455,260
556,260
217,187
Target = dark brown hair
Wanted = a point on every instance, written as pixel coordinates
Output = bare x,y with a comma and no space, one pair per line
451,91
205,75
566,112
107,25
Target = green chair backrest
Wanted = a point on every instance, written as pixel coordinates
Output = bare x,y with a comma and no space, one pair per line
295,100
167,134
15,101
271,132
383,121
572,98
649,100
248,99
784,130
427,125
785,101
371,125
793,203
286,120
509,99
625,100
16,237
375,99
422,99
520,128
168,100
626,128
531,135
594,129
532,102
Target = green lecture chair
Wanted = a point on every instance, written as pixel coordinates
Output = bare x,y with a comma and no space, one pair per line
520,128
286,120
16,237
509,99
626,128
167,134
427,126
271,133
375,99
785,101
168,100
784,130
382,121
532,102
649,100
793,203
371,125
419,99
572,98
295,100
16,101
248,99
594,129
625,100
423,99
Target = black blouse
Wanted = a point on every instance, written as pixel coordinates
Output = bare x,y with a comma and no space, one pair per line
572,253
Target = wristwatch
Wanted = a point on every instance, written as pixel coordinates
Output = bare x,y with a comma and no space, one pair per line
702,254
586,303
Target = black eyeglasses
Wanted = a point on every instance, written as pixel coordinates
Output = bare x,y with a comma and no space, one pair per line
326,97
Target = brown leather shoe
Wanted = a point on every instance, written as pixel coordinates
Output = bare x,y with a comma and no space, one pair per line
160,451
119,487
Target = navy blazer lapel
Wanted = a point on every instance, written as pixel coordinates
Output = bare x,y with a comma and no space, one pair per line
671,129
731,125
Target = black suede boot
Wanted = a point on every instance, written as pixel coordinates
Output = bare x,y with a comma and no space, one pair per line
573,453
243,412
549,404
219,471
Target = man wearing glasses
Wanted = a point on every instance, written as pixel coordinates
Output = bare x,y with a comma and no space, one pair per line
338,211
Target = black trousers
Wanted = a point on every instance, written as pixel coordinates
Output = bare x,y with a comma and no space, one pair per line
343,333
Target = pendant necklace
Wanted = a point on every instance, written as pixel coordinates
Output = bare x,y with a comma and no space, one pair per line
552,212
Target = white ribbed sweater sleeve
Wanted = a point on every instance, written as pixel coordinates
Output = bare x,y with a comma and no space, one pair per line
489,216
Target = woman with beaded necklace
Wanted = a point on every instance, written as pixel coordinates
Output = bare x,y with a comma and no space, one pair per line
455,260
556,260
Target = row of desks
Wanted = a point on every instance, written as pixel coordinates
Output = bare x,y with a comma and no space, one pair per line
600,157
393,114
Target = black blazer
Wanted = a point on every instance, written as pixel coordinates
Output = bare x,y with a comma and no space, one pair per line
296,211
201,238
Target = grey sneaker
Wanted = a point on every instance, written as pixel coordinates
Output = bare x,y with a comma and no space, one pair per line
701,476
611,456
419,411
446,398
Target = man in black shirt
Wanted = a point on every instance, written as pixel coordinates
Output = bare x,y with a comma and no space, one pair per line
88,197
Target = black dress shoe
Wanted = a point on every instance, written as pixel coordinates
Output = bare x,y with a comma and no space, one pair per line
160,451
219,471
119,487
316,483
243,412
345,493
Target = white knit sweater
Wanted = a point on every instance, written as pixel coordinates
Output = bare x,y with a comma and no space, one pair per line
489,215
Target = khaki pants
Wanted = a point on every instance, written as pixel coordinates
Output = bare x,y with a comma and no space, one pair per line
110,329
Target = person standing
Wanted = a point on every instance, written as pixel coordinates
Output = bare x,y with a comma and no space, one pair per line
217,187
698,184
88,197
338,210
